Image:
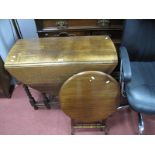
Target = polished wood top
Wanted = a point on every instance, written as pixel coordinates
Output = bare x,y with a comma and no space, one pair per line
46,63
46,51
90,96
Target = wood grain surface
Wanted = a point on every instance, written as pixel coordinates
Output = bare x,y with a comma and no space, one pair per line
51,61
90,96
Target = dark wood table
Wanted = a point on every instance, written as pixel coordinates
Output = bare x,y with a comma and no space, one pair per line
46,63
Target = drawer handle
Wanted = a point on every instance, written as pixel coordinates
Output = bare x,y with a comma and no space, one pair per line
65,34
61,24
103,22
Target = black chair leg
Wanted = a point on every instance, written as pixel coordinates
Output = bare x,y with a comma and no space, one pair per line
31,99
140,124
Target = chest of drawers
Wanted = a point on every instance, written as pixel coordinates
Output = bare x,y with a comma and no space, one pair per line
81,27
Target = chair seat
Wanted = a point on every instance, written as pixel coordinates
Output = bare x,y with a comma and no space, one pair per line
141,89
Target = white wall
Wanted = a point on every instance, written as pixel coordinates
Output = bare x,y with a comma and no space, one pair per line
28,28
8,36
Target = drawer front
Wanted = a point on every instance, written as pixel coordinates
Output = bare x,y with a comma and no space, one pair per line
64,34
43,23
112,33
65,22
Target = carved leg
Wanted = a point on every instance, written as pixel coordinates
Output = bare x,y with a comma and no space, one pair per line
46,101
31,98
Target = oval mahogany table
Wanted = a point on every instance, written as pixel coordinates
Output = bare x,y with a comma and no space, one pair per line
90,96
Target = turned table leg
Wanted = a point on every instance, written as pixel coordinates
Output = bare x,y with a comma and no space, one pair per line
31,98
46,101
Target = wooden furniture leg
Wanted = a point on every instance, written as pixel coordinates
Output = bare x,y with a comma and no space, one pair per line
104,127
31,98
96,125
46,101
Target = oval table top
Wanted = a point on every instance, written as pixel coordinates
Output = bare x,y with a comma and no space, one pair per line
90,96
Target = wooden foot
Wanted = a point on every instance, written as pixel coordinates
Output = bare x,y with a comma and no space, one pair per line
96,125
104,128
